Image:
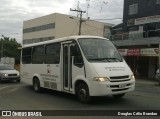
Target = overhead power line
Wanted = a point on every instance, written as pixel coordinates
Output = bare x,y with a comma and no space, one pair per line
94,29
80,21
74,29
108,19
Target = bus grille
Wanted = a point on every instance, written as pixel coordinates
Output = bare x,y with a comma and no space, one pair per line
117,86
50,85
46,84
119,78
53,85
115,90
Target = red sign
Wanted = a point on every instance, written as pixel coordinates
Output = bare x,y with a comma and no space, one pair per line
133,52
156,51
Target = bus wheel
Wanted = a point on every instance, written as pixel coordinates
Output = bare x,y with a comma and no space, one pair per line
36,85
82,92
119,95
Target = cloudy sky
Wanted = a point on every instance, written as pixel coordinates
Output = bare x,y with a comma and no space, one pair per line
14,12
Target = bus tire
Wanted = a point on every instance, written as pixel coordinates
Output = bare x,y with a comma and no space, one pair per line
82,93
36,85
117,96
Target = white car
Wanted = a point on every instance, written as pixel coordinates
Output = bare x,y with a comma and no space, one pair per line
8,73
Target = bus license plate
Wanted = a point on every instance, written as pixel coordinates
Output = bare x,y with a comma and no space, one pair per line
122,85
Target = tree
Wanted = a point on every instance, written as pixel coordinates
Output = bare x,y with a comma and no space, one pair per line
8,48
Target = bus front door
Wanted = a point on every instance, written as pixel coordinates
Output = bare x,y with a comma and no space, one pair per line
67,67
73,65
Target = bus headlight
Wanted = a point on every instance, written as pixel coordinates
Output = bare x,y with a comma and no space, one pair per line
132,77
100,79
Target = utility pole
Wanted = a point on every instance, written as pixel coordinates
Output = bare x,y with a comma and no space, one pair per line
80,20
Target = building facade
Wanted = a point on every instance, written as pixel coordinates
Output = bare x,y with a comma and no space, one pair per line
59,25
138,36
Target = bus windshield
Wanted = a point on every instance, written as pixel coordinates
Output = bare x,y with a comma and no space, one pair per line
99,50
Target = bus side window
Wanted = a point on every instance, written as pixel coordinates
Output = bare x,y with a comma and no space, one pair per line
38,54
52,53
78,59
26,55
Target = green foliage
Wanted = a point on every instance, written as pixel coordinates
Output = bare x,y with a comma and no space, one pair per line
9,46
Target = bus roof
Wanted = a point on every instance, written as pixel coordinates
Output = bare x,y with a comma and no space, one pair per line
62,39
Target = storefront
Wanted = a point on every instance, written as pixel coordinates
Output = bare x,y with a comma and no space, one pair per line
143,62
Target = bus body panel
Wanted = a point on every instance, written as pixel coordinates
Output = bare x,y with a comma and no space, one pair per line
111,69
48,75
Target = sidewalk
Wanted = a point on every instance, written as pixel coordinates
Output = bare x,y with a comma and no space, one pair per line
147,82
146,88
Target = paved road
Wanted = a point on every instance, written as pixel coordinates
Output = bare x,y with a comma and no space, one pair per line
20,96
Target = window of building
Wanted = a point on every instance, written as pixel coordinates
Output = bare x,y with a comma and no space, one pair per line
36,40
158,25
133,28
133,9
26,55
158,2
52,53
131,22
38,55
39,28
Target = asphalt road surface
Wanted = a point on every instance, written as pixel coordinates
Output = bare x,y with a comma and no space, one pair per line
20,96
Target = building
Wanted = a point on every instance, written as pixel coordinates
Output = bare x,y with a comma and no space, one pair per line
138,36
59,25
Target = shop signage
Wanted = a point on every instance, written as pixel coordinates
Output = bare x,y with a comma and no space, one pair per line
133,52
123,52
149,19
139,52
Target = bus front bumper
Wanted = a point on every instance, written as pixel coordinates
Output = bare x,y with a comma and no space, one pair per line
110,88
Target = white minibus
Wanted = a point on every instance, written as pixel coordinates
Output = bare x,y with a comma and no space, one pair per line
82,65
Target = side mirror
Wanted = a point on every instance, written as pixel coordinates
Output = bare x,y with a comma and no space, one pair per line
74,50
115,46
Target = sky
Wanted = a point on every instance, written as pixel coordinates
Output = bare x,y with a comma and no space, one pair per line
14,12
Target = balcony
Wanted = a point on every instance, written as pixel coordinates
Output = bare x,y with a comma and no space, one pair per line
136,38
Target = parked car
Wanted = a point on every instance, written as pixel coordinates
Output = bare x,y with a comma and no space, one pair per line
8,73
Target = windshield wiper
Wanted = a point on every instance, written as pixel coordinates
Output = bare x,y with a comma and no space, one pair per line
115,59
100,59
106,59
